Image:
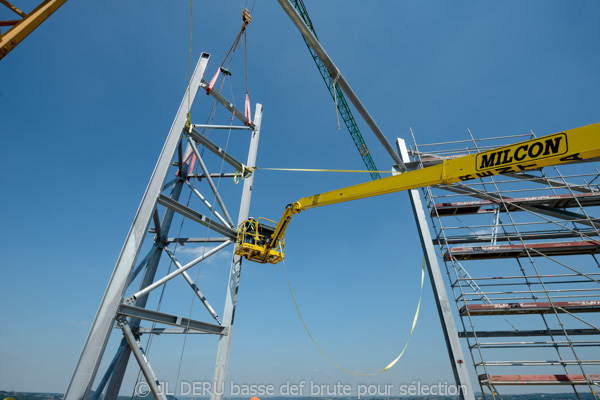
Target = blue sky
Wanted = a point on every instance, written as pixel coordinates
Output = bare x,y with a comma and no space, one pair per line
87,100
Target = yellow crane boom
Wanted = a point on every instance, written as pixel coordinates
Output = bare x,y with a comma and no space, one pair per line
575,145
25,24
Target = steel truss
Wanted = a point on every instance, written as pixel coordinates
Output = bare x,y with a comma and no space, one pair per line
26,23
164,203
519,253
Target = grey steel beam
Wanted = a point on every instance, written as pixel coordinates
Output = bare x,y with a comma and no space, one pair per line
235,270
217,175
116,380
140,357
227,104
527,333
212,185
197,217
204,141
461,374
184,240
207,204
142,264
544,210
168,319
168,331
91,355
194,287
550,182
143,292
225,127
337,75
526,235
98,392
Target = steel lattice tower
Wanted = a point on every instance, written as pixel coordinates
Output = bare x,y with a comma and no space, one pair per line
126,307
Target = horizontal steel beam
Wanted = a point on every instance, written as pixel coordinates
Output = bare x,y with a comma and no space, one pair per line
543,332
550,182
204,141
527,235
227,104
167,331
216,175
197,217
183,241
544,210
168,319
162,281
227,127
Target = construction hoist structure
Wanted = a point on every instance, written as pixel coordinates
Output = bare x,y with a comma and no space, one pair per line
196,160
572,146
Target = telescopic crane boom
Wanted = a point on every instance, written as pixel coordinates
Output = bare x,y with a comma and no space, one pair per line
575,145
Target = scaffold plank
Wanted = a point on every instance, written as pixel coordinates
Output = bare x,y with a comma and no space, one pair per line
570,379
526,235
529,333
518,250
512,204
542,307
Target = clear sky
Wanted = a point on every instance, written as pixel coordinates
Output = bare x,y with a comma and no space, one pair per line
87,100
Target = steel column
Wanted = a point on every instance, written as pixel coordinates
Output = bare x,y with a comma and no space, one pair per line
341,81
138,352
236,267
99,334
461,374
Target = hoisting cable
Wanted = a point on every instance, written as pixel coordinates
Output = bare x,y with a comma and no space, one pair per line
188,123
246,18
390,365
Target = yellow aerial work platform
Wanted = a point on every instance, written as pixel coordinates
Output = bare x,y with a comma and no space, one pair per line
572,146
254,239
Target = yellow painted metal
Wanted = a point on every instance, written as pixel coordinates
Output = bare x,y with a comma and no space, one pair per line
27,24
566,147
575,145
255,246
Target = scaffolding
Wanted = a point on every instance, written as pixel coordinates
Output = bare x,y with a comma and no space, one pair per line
521,256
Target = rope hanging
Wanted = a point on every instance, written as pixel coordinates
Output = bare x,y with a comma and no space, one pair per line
246,18
391,364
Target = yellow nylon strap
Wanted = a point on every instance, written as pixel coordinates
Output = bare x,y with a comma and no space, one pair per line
390,365
321,170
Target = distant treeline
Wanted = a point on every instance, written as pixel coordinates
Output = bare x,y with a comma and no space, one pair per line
533,396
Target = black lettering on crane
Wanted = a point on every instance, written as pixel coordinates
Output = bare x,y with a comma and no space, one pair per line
504,170
487,160
538,150
484,174
552,146
572,157
519,157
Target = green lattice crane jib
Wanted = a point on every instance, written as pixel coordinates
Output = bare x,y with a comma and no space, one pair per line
342,104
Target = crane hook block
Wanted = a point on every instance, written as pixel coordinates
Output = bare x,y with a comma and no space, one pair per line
246,17
254,239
